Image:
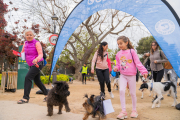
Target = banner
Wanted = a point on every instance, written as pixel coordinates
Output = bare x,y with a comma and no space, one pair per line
157,15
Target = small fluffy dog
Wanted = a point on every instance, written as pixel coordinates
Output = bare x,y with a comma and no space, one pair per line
93,106
57,96
151,91
115,84
160,88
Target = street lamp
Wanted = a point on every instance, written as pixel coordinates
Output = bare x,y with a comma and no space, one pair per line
54,18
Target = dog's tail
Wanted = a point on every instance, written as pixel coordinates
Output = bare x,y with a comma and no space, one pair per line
174,87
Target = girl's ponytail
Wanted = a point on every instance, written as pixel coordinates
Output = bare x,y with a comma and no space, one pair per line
130,46
126,39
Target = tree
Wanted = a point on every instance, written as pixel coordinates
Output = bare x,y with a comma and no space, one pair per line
95,27
144,45
7,41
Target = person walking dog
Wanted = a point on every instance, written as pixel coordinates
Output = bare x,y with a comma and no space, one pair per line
33,55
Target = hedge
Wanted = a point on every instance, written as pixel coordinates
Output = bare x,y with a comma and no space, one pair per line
44,79
60,77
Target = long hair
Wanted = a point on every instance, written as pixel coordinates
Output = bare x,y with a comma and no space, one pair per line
100,50
152,51
126,39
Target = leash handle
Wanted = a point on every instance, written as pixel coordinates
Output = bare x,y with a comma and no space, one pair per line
35,64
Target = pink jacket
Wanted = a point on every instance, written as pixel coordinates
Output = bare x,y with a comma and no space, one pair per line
99,64
124,63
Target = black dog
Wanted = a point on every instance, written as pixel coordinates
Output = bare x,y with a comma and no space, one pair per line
57,96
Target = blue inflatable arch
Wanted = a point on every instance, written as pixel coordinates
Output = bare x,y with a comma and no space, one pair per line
157,15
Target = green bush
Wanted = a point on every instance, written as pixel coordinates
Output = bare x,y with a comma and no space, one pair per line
60,77
46,79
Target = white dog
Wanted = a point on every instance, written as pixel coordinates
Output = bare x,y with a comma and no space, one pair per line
115,84
151,91
160,88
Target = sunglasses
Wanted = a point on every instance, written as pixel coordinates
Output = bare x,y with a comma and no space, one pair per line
153,45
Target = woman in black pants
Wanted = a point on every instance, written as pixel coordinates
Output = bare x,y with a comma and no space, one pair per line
102,70
157,57
33,55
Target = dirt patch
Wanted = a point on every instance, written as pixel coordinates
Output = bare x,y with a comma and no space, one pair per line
77,89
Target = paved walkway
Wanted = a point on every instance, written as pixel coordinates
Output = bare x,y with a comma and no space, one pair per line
10,110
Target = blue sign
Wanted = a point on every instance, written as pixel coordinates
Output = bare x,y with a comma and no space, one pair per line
157,15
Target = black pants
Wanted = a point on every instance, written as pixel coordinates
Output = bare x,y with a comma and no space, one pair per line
158,75
103,76
33,74
84,77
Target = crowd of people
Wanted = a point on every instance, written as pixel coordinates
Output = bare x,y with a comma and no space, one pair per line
126,64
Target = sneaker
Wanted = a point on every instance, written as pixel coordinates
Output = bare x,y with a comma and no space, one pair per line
122,115
168,95
134,114
110,93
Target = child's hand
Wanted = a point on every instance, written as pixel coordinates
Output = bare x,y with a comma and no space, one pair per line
92,71
145,75
115,69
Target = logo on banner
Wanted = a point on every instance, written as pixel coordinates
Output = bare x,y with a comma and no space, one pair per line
90,2
165,27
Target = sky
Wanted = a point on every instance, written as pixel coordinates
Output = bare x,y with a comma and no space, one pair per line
132,33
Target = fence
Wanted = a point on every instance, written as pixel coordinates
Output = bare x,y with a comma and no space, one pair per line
9,80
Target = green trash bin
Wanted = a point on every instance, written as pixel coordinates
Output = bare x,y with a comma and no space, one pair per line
23,68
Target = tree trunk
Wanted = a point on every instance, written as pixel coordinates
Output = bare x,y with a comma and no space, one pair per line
78,75
1,64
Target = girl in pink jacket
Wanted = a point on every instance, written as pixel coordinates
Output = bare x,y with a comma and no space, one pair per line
126,62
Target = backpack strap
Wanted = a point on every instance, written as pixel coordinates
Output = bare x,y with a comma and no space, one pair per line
132,57
160,53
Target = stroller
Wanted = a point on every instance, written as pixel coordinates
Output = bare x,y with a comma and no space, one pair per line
70,79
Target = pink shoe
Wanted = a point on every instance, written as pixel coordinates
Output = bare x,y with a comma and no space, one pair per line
134,114
122,115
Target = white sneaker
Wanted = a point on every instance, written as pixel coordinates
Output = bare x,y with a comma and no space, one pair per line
110,93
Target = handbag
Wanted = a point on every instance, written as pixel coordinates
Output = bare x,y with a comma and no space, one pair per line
137,74
109,63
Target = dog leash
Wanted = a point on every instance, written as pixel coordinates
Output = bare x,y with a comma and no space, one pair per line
152,82
37,66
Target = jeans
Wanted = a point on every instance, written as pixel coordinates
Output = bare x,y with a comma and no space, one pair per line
103,77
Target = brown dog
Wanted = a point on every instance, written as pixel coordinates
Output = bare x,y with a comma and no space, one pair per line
93,106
